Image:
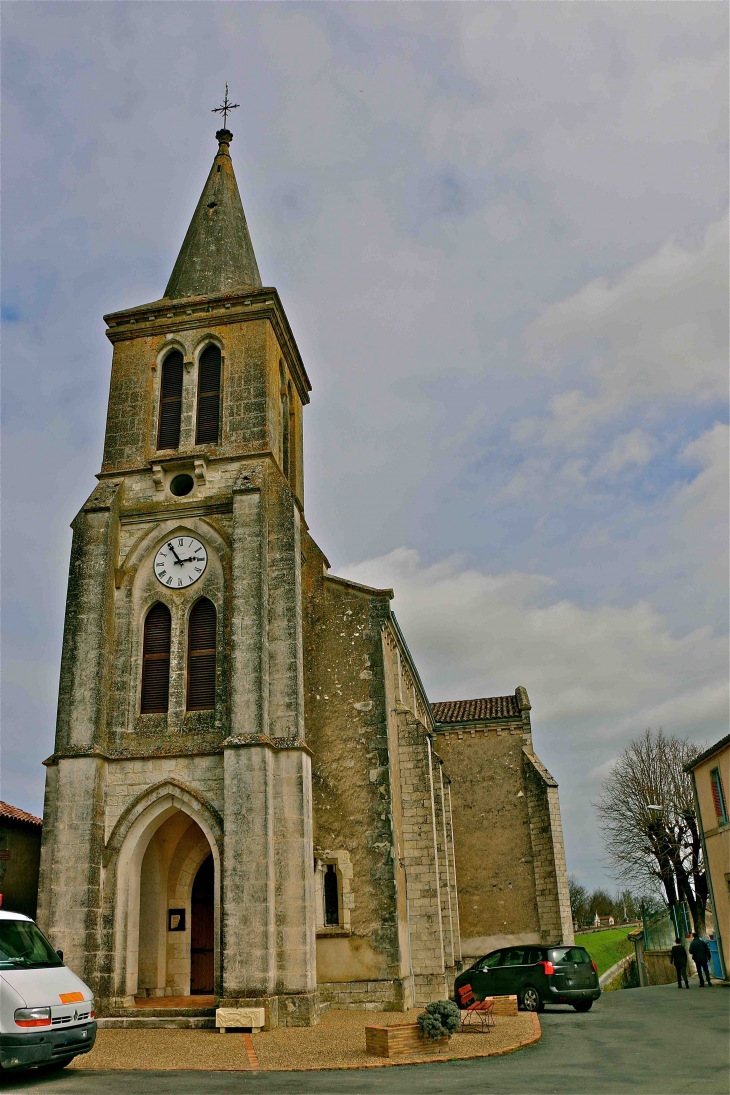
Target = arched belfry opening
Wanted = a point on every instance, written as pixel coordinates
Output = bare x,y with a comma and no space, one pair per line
176,931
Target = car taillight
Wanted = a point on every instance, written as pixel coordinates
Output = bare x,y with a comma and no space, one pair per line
595,967
33,1017
549,968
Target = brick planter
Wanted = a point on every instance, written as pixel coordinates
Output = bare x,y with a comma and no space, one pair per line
504,1005
401,1040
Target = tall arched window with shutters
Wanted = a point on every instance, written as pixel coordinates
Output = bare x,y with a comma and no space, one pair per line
168,433
209,396
201,656
156,660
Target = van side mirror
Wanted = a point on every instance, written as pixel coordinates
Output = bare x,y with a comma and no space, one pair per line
60,955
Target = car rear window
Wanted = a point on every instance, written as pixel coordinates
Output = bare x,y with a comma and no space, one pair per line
565,955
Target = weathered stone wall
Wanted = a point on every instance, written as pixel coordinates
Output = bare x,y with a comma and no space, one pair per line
510,859
347,730
493,848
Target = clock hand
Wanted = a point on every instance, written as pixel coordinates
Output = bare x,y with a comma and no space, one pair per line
177,557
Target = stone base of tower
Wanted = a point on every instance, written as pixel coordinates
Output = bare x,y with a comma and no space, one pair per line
395,995
296,1009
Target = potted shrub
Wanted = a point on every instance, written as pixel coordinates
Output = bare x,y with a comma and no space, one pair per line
441,1019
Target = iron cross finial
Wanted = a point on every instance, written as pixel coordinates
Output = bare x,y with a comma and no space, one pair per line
225,107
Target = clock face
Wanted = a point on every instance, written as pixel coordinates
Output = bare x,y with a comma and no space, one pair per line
180,561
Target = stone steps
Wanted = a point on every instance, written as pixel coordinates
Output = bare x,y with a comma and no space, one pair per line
165,1019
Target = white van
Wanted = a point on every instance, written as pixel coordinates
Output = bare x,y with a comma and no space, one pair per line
46,1011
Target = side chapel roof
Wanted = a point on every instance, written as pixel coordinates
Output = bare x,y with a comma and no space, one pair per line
217,254
489,707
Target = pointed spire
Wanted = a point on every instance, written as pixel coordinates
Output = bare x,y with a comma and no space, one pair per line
217,253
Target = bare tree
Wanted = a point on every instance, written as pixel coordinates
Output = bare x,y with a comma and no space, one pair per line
650,829
578,899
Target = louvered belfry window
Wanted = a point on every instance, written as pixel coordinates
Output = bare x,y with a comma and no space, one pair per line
209,396
156,660
168,435
201,656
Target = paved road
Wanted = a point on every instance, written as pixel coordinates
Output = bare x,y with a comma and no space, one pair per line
655,1041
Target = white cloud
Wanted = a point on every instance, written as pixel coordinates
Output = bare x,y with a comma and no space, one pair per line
629,449
658,331
596,676
476,634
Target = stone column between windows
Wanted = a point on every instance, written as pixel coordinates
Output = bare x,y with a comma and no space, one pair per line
249,668
451,859
420,858
443,864
547,851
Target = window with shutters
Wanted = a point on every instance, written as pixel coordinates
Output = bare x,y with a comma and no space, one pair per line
718,796
171,386
201,656
209,396
156,660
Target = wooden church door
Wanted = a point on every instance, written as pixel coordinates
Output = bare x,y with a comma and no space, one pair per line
201,931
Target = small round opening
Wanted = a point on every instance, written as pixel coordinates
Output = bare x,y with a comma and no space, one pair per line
181,485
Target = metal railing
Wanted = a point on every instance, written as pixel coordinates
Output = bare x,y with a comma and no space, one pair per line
662,928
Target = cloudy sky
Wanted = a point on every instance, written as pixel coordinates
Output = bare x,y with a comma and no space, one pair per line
499,233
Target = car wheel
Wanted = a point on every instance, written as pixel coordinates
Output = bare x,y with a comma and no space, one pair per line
530,999
583,1005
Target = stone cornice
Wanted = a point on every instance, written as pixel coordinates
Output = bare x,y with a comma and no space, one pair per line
163,317
137,754
246,741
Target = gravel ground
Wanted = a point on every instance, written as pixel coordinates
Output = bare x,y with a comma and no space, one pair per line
337,1042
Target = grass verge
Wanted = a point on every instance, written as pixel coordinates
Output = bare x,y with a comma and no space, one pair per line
607,947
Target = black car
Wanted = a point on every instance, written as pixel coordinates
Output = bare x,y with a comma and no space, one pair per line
536,975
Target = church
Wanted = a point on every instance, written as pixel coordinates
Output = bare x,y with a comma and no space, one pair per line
251,799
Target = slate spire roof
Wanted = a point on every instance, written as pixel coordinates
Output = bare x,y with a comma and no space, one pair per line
217,254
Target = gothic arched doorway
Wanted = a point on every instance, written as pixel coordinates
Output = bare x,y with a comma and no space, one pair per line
202,931
177,914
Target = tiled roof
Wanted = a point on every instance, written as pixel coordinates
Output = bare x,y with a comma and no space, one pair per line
491,707
14,814
721,744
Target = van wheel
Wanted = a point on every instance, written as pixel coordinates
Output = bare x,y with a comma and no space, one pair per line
530,999
583,1005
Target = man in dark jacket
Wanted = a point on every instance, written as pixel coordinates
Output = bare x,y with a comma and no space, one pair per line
678,958
701,956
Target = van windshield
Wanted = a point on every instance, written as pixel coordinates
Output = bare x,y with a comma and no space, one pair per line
23,947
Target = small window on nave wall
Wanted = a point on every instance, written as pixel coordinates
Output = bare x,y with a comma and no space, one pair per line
331,897
202,628
209,396
156,660
168,434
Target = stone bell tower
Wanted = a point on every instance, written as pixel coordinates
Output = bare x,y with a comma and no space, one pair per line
177,855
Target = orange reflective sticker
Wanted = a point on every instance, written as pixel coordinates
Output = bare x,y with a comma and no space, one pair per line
70,997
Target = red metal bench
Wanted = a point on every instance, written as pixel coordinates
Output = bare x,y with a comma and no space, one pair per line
477,1015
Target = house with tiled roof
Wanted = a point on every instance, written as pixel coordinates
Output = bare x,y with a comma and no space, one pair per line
20,850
